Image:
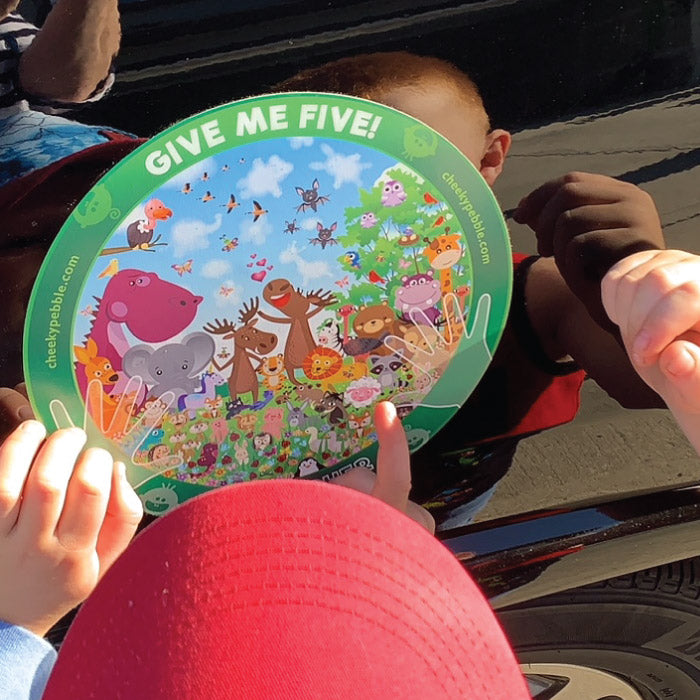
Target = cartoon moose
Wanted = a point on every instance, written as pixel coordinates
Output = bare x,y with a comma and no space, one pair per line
247,341
295,306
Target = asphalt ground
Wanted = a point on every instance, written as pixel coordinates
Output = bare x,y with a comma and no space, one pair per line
608,450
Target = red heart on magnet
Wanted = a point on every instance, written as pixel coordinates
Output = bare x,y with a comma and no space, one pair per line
253,256
249,265
259,276
262,262
269,267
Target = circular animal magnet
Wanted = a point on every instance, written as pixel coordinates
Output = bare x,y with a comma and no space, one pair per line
232,299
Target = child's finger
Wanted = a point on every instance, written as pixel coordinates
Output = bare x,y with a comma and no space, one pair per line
680,363
393,482
421,516
45,488
86,501
658,323
639,280
566,200
655,300
612,281
124,513
16,455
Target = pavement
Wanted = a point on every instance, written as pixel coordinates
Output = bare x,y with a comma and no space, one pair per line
608,450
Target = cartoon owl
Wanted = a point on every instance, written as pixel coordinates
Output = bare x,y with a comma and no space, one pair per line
368,219
393,194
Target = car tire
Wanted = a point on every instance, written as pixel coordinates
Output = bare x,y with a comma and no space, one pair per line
642,631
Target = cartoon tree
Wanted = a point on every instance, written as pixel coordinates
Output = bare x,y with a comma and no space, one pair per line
387,237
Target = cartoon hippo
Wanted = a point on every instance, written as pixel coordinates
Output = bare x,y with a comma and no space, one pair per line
418,293
152,309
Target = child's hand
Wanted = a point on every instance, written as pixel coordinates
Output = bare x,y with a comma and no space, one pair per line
588,223
64,518
392,482
654,297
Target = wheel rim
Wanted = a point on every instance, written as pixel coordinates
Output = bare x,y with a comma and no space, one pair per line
581,683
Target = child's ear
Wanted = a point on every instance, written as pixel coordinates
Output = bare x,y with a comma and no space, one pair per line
497,146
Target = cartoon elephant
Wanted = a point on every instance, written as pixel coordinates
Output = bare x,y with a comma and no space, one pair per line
172,367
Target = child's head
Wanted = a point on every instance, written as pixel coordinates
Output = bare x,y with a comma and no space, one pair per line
427,88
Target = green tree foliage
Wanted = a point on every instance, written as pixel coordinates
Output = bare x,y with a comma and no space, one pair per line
380,254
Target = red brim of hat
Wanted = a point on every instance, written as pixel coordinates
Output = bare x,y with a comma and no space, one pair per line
283,590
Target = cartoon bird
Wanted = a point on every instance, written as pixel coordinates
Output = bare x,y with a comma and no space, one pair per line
368,220
139,233
225,168
184,267
205,176
231,204
439,221
258,211
376,278
208,197
393,194
186,189
429,199
352,258
111,269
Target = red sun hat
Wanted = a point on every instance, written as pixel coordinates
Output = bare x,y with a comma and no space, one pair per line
283,590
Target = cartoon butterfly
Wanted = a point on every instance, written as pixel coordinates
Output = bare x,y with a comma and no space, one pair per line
185,267
344,282
87,311
225,291
404,264
223,354
229,244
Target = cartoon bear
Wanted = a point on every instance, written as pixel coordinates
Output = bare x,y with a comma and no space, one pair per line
376,323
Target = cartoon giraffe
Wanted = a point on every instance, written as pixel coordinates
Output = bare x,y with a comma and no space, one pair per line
443,254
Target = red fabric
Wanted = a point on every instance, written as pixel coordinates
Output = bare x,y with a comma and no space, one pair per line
559,401
32,210
283,590
35,206
518,396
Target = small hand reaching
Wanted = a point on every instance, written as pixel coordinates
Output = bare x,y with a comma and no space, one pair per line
392,482
588,223
65,516
654,297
